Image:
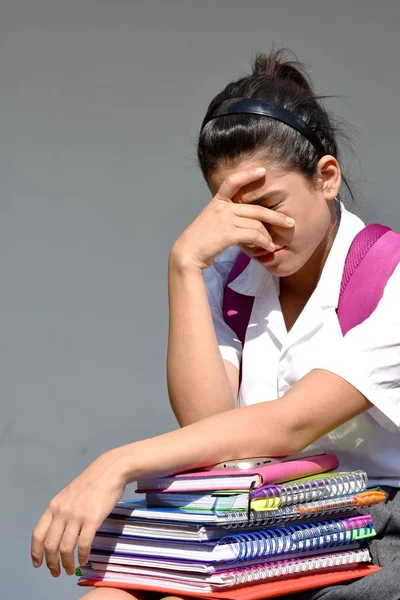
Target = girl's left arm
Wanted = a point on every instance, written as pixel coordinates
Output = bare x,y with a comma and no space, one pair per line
318,403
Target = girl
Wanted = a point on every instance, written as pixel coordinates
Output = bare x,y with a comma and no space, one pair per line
268,151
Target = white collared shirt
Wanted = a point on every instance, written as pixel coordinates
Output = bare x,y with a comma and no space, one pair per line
368,357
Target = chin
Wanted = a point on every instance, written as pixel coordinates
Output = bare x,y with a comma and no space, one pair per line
282,269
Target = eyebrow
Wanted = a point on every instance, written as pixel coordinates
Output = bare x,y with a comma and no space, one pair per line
272,194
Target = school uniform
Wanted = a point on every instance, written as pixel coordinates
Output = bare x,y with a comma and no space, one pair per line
368,357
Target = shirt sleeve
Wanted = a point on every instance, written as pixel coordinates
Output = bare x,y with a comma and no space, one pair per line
215,278
369,357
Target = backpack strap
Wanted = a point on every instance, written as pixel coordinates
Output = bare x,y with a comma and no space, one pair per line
236,308
372,258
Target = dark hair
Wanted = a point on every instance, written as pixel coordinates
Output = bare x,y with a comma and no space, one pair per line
279,79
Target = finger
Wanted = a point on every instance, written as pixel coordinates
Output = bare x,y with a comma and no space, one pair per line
266,215
85,543
39,536
253,237
243,223
232,184
67,547
52,546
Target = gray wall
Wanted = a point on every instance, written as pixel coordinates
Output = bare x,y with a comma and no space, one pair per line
100,102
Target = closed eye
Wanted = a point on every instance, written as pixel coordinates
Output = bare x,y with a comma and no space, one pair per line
278,196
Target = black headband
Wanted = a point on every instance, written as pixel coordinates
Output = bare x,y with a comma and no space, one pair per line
254,106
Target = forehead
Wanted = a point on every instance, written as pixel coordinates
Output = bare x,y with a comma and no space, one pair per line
274,176
226,168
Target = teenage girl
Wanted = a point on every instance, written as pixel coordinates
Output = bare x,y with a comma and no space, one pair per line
269,153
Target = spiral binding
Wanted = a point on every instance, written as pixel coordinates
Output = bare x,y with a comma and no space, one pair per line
342,484
291,538
243,520
293,566
330,506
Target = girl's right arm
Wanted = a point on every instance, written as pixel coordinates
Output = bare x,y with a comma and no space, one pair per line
200,382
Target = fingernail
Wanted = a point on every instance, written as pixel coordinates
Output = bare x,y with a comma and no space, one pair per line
260,170
290,221
272,247
36,564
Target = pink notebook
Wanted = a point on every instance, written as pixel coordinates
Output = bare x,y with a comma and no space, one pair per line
240,479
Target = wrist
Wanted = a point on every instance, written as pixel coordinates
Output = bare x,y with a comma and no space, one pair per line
125,463
181,261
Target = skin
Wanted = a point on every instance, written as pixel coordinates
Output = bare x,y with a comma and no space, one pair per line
315,405
290,194
304,247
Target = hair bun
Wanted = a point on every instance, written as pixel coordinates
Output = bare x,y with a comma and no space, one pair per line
282,64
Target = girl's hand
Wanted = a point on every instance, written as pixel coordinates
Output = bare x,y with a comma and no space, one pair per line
224,223
78,510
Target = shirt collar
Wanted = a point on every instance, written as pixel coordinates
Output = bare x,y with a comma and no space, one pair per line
328,288
254,278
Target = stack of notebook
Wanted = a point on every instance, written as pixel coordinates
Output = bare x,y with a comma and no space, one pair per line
268,531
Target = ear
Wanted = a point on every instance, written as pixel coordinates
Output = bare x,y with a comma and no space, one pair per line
329,176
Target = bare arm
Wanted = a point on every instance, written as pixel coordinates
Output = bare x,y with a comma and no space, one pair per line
317,404
200,383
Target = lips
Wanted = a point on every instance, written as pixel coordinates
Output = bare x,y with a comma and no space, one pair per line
268,256
262,254
266,253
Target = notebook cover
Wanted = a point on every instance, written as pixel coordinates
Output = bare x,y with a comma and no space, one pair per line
271,490
332,532
267,497
260,591
274,473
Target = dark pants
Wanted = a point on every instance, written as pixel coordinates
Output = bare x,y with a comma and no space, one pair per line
385,550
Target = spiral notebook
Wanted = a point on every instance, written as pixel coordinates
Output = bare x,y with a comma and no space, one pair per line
259,591
243,520
181,582
314,487
246,546
217,501
238,479
110,560
324,485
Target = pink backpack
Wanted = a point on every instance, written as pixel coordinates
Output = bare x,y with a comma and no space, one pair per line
373,256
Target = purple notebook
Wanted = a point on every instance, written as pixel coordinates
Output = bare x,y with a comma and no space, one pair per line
314,487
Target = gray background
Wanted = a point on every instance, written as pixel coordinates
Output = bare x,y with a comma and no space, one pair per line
100,102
